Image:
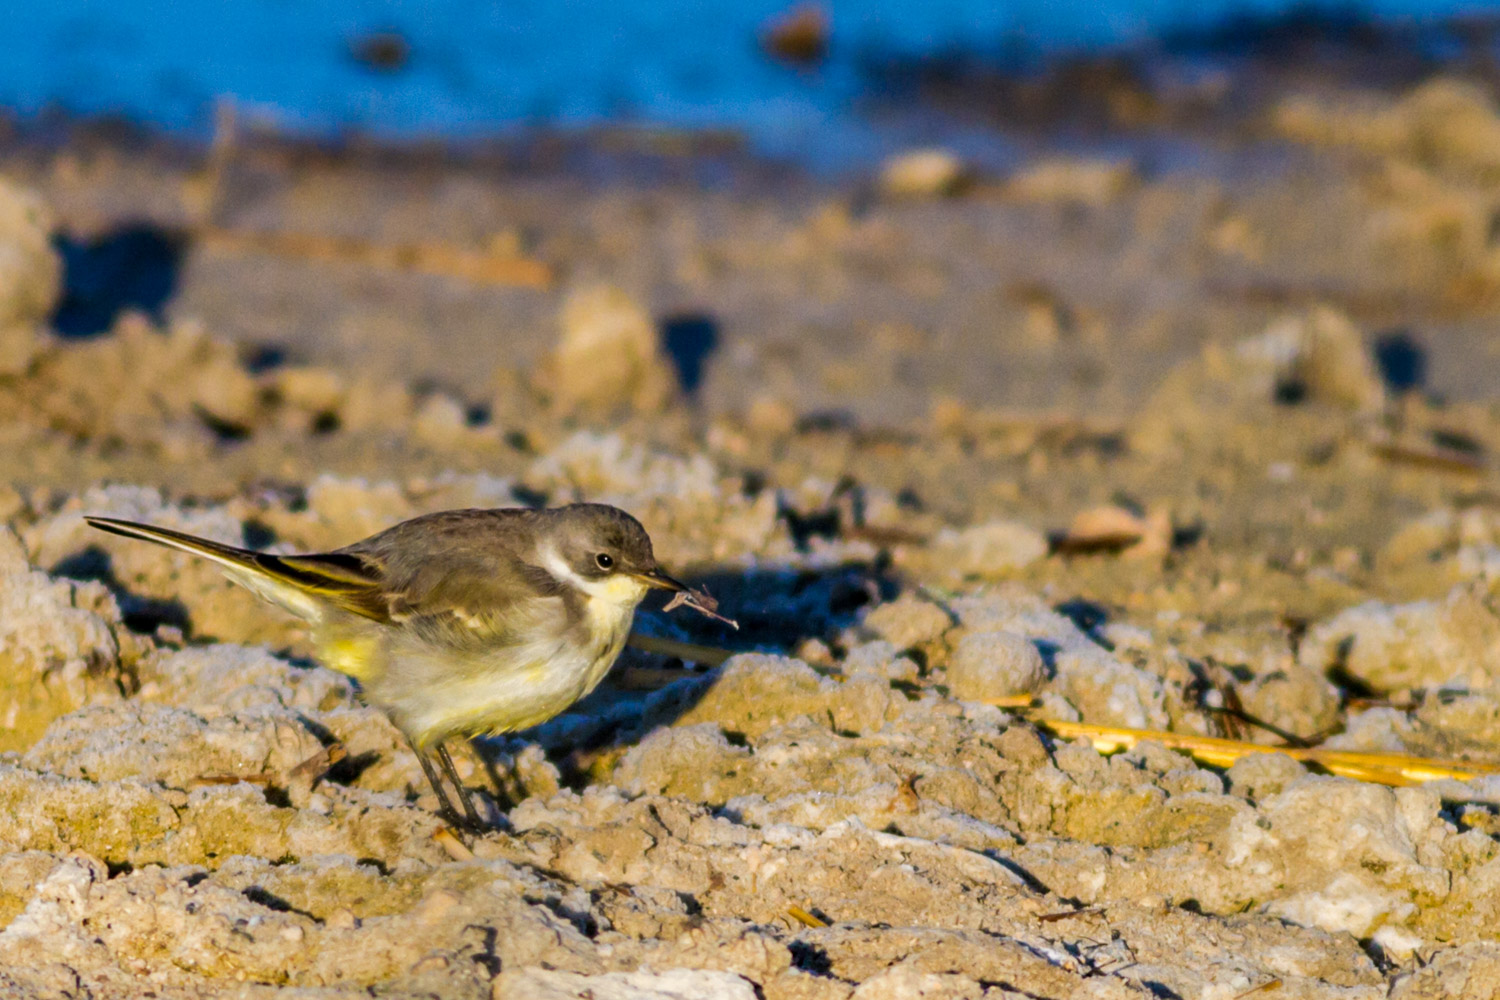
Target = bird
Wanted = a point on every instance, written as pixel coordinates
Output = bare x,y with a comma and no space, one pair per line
459,623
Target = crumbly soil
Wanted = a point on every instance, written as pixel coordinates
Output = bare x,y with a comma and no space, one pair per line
1192,449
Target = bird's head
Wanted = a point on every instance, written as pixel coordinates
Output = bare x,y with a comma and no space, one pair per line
604,551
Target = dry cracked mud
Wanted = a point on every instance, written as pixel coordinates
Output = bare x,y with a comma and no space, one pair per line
1208,455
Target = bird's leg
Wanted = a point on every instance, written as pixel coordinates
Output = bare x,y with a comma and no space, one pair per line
445,805
463,793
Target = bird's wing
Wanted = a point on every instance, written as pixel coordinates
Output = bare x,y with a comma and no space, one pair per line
459,578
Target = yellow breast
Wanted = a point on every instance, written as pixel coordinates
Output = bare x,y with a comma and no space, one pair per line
613,598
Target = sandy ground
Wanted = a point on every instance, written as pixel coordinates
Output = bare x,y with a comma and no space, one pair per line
1201,450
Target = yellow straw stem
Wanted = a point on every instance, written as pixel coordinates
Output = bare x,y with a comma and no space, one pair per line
804,918
1382,768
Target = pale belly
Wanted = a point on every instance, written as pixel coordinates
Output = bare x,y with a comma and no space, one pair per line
494,692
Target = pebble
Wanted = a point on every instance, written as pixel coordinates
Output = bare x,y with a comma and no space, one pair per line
1088,182
609,355
923,173
988,550
30,269
988,665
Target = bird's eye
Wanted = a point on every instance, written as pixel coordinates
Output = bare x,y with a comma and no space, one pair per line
604,560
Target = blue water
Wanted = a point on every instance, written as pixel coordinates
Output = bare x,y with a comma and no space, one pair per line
479,69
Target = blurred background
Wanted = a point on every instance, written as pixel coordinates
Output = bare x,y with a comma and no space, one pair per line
858,212
821,83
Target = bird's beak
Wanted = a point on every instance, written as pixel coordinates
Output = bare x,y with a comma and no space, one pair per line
656,578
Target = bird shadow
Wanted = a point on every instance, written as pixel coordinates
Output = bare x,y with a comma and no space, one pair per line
777,609
140,612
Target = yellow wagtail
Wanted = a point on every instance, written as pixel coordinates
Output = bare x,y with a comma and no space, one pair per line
459,623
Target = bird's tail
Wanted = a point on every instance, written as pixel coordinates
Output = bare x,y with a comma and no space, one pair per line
227,556
304,585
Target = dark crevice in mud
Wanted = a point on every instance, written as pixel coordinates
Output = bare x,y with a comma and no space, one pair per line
810,958
1088,615
377,864
271,901
1027,878
276,796
582,920
227,431
348,770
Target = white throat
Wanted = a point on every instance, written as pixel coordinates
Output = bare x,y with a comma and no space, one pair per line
618,591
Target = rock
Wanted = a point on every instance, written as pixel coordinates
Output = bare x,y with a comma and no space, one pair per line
1013,608
310,388
535,774
349,509
881,659
862,704
1105,690
609,356
907,622
908,982
1293,698
440,421
1374,730
1115,529
799,35
986,551
752,692
1350,856
370,405
1335,365
1347,902
1467,723
20,345
1468,971
62,646
922,173
1427,644
172,746
1086,182
989,665
1082,674
771,416
681,760
604,465
1421,541
673,984
1259,776
1447,122
30,268
224,677
145,387
51,924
